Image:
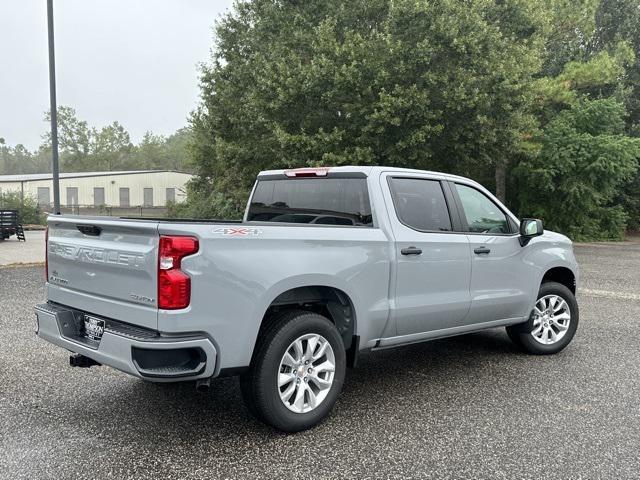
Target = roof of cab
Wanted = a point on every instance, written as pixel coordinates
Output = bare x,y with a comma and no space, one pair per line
367,170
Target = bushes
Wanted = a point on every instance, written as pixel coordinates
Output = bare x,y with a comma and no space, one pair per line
28,211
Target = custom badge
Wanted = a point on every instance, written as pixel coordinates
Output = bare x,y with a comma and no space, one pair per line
238,231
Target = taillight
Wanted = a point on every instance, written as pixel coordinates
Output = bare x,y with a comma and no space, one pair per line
46,254
174,286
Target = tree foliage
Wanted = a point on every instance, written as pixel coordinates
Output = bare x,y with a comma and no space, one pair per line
584,160
18,159
435,85
516,88
86,148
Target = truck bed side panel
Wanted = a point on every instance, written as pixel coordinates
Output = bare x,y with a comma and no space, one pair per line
236,276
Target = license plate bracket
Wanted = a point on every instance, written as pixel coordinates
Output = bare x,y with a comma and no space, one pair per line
93,328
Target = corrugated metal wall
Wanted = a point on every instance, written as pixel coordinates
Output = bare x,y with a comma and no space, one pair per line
136,183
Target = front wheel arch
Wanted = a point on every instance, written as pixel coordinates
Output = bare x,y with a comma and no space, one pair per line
561,275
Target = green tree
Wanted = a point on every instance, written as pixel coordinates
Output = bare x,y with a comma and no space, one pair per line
19,160
151,152
74,139
111,148
86,148
440,85
618,21
160,152
177,150
584,161
571,28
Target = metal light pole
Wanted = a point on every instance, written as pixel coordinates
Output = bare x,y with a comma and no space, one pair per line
54,112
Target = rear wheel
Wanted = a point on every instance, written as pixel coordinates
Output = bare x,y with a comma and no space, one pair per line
296,373
552,323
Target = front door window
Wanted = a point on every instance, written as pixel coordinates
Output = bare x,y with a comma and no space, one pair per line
481,214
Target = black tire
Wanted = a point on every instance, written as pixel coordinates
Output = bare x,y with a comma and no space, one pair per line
521,334
259,385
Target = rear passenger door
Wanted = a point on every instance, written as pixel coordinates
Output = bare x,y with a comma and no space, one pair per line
501,282
433,264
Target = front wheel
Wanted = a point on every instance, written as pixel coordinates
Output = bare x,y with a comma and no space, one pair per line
296,373
552,323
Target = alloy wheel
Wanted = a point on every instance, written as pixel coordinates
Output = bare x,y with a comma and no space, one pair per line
306,373
551,319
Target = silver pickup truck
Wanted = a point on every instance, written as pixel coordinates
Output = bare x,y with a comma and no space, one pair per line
327,262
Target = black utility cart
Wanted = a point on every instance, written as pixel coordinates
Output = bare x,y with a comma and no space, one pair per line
9,225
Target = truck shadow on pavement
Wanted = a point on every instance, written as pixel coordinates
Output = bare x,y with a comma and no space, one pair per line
382,381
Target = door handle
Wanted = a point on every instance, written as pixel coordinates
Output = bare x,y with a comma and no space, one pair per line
411,251
481,250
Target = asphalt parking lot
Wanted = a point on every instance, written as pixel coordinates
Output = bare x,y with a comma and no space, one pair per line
466,407
14,252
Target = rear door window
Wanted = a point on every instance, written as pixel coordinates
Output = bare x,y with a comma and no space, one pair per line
319,201
420,204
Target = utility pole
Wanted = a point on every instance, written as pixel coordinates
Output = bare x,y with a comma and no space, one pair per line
54,112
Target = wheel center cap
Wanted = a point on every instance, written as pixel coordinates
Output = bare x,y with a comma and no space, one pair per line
301,371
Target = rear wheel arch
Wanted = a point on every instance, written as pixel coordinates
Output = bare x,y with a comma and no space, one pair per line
328,301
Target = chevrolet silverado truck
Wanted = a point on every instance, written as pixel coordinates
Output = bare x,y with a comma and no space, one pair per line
327,263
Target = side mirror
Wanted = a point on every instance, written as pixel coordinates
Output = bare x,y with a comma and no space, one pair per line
529,228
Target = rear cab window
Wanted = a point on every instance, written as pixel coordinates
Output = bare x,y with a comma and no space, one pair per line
316,201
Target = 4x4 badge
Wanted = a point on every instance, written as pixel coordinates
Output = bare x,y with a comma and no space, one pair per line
238,231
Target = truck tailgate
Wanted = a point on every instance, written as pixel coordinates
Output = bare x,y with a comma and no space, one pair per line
104,266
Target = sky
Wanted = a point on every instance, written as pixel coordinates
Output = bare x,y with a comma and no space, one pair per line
134,61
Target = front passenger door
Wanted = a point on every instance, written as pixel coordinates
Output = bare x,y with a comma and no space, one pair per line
501,281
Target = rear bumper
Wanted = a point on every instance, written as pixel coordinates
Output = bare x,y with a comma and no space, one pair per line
139,352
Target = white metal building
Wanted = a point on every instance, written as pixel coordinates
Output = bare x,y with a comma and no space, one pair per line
138,188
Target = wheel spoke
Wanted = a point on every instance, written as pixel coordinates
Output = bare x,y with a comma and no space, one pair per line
561,327
559,306
297,346
562,317
321,383
288,360
311,346
286,395
312,398
299,400
285,378
537,331
325,366
321,350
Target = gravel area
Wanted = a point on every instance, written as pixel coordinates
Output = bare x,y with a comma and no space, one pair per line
465,407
